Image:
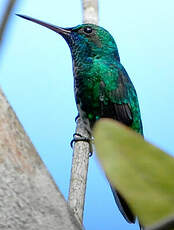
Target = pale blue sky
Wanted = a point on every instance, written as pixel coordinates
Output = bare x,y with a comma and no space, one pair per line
36,76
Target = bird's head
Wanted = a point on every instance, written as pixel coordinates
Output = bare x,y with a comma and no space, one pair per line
85,40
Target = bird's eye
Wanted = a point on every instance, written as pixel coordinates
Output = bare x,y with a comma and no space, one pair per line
88,29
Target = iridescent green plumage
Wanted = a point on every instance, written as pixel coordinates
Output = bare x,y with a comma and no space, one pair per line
102,85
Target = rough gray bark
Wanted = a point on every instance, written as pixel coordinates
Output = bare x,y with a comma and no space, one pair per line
29,198
79,172
81,149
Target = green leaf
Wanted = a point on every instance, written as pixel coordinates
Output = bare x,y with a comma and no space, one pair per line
143,173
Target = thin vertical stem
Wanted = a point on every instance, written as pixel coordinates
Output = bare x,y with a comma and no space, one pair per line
79,172
90,11
80,160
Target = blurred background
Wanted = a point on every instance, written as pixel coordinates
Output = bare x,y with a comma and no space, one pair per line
36,77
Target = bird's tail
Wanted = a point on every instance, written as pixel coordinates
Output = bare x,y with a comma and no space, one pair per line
141,226
123,206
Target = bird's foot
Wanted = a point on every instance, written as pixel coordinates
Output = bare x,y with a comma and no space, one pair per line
78,137
77,117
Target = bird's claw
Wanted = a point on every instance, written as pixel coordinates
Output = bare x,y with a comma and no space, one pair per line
76,118
78,137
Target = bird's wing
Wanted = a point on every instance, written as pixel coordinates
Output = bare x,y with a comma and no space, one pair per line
123,113
123,106
120,98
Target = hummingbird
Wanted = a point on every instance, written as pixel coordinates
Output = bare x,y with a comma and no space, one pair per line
102,86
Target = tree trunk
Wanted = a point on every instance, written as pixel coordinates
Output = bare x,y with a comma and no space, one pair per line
29,198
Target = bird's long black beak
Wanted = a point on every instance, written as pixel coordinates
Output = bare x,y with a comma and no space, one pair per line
59,30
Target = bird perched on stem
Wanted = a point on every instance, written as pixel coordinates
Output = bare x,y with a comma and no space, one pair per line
102,86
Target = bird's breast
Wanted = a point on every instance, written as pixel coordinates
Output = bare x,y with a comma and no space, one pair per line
93,85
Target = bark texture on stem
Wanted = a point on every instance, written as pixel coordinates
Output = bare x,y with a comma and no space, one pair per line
79,172
90,11
81,149
29,198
